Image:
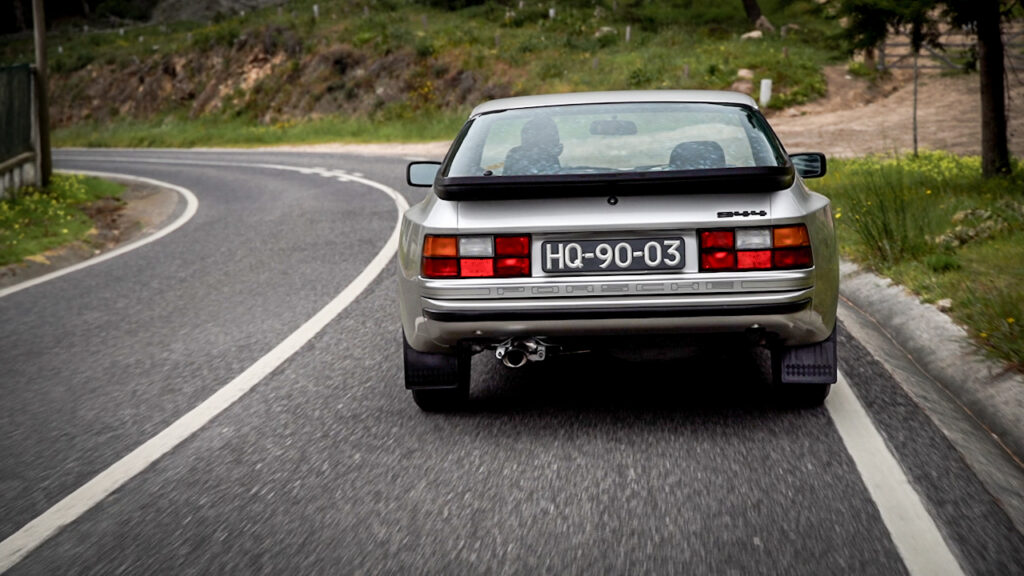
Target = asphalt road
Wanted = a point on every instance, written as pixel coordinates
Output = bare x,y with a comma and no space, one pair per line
577,465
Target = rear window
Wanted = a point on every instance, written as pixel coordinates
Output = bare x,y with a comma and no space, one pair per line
614,139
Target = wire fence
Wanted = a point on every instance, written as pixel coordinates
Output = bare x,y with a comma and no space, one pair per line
957,53
17,142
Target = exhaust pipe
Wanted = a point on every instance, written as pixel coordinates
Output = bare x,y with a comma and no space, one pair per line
515,353
514,358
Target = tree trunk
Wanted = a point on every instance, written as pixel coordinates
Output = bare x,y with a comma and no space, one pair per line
753,11
995,154
19,15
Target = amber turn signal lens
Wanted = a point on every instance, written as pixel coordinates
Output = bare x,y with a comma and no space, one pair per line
790,237
440,247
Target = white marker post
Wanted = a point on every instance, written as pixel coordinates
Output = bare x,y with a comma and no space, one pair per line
766,92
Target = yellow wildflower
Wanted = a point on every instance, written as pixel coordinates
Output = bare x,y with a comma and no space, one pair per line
1010,320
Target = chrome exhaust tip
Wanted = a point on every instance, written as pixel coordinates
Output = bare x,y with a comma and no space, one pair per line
515,353
514,358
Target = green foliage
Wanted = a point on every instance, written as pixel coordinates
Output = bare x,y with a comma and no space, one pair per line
942,262
509,50
34,220
401,122
934,224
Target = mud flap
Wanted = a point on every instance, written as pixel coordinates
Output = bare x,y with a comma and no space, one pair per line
814,364
434,371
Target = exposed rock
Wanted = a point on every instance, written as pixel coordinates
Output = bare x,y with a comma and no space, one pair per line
752,35
944,305
745,86
764,25
745,74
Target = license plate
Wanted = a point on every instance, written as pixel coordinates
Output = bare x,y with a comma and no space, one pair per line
612,255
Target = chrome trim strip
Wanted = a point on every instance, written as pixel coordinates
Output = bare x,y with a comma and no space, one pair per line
647,284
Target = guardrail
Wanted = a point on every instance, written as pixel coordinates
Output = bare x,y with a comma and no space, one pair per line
19,130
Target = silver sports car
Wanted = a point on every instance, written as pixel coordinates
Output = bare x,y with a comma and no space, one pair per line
614,221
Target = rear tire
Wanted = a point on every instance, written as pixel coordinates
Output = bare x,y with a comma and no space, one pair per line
439,382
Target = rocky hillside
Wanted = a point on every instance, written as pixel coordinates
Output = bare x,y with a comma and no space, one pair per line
395,59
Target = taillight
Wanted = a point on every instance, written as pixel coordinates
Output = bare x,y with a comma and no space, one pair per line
778,248
476,256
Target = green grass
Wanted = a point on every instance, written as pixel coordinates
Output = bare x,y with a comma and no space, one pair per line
34,221
934,225
179,131
677,44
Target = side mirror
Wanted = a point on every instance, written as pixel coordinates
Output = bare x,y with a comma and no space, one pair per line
809,164
421,173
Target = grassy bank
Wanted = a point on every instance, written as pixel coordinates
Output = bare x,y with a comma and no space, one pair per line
401,70
179,131
934,225
35,221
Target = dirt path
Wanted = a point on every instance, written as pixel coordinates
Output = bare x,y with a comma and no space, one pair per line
859,118
856,118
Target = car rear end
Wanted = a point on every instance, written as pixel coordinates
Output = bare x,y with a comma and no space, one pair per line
532,268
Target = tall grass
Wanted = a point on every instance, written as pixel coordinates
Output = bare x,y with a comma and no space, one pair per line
935,225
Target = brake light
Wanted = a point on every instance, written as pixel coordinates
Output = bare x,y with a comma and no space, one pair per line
476,256
778,248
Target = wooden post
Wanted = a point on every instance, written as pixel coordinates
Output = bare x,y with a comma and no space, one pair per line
915,104
42,98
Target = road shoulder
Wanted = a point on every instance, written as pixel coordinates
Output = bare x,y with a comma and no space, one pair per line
146,208
975,401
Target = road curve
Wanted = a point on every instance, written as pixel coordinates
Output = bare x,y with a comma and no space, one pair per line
572,466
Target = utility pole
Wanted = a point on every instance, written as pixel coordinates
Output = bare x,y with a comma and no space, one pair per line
42,94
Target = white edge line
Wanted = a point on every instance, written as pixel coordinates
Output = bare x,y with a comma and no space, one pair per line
191,206
913,531
21,543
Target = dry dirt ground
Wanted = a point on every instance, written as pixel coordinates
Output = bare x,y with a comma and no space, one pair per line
857,117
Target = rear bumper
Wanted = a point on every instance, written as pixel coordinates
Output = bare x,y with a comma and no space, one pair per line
791,316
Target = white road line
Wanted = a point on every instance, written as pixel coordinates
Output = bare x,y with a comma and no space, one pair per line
19,544
191,205
912,529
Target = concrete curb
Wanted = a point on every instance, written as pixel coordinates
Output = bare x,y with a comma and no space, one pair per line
994,395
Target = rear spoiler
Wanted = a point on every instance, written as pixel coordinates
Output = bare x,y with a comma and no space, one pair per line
719,180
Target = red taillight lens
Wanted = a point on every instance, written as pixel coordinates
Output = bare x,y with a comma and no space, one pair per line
792,258
720,239
754,260
440,267
476,267
512,246
512,267
720,260
443,257
790,247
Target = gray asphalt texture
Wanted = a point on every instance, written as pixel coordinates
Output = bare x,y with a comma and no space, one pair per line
578,465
